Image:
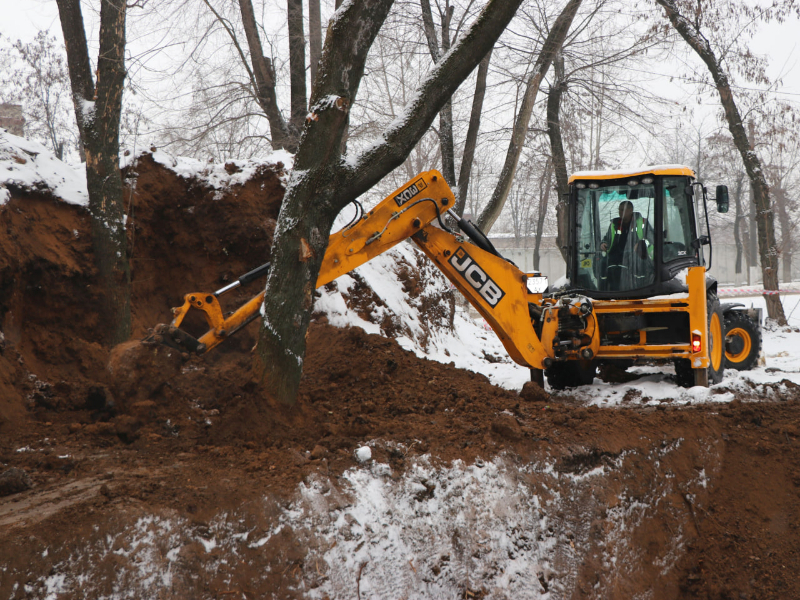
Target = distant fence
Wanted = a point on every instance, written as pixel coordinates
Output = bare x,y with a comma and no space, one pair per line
723,265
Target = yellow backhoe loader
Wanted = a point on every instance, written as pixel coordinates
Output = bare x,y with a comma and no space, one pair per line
636,286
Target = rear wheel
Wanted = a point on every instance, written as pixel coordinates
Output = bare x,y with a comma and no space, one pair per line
742,341
685,375
716,341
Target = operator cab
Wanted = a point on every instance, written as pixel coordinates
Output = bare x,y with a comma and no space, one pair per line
632,232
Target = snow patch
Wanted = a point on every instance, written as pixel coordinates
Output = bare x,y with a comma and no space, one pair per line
30,166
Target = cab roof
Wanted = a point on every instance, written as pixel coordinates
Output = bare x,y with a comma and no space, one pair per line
634,172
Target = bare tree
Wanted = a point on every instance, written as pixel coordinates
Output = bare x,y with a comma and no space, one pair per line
262,75
297,64
260,69
471,141
693,31
545,185
446,136
593,86
559,159
40,81
322,183
314,37
725,164
549,49
97,111
446,114
779,142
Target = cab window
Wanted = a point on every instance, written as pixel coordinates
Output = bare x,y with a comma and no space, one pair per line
677,219
615,234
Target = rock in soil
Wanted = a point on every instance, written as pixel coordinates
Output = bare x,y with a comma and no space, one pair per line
14,481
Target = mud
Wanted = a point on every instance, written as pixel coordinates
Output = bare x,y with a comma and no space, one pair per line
135,470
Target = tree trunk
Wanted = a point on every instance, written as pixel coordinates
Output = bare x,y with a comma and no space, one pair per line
263,75
786,232
767,246
600,100
737,223
322,184
472,134
551,45
752,235
446,145
98,115
314,38
544,186
297,64
557,151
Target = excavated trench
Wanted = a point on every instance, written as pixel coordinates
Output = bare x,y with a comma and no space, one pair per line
179,479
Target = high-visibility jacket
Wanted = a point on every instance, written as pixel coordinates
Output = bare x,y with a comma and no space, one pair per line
615,223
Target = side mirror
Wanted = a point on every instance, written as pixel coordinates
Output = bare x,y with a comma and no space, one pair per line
722,198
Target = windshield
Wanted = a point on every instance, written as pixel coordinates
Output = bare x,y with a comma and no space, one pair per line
616,234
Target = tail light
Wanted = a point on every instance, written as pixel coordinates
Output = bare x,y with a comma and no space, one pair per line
696,341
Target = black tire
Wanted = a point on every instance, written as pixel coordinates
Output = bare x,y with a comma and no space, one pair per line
684,374
715,330
572,373
742,341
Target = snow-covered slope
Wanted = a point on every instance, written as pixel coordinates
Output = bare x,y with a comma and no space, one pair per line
401,294
28,165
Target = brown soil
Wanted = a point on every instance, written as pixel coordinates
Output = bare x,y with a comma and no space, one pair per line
190,441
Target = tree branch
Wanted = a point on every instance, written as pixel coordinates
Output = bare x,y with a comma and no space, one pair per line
399,138
262,79
552,44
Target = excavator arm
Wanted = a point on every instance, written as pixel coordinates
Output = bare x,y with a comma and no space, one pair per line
526,322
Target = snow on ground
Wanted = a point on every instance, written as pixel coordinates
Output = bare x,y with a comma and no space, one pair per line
501,528
467,346
29,165
780,350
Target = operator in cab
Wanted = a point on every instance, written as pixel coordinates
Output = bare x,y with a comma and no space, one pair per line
629,247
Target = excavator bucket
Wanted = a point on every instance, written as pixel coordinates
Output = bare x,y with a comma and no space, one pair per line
220,326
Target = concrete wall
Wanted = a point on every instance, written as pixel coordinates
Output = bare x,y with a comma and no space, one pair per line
723,264
11,119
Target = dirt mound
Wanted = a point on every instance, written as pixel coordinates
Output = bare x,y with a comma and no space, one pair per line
138,469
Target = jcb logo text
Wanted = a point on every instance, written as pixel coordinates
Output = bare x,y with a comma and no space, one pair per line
411,191
477,277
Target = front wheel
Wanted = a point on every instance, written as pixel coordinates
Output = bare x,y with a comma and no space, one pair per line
571,373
